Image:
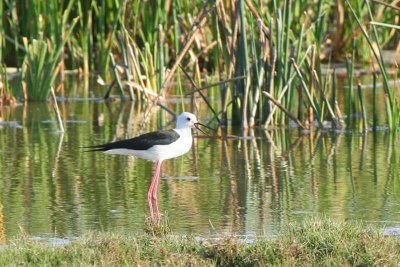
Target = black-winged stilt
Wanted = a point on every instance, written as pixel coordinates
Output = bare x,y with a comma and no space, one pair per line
156,146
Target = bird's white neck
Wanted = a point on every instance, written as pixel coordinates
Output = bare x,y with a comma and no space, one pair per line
184,132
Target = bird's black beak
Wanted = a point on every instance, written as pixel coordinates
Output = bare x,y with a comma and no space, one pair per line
196,125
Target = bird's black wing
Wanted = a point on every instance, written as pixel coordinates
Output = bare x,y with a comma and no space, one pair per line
141,142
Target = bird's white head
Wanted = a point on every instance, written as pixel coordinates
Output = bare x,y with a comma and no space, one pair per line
186,120
189,120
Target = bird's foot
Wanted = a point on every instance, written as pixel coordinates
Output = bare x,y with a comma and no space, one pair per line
157,225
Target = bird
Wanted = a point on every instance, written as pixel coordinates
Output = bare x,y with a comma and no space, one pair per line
156,146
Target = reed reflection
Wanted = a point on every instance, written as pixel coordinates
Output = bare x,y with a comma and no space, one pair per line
243,182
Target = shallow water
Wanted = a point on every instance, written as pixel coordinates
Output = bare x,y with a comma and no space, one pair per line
245,186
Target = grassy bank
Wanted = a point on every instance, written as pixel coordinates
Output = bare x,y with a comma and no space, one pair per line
318,241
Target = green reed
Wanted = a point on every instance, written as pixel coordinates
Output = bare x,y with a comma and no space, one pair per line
84,39
350,100
374,104
148,40
50,30
2,32
241,93
127,66
41,65
392,105
5,90
363,127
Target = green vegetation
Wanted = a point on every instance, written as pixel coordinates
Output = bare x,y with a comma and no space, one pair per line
6,97
318,241
282,49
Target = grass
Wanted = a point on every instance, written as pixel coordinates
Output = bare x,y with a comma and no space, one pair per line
317,241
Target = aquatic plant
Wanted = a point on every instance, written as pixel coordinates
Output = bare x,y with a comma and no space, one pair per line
6,97
279,46
41,66
392,103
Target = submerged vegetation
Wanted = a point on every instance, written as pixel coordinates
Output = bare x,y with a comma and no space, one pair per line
277,58
317,241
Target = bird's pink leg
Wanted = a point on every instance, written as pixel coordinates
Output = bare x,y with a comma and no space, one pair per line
152,193
149,194
155,189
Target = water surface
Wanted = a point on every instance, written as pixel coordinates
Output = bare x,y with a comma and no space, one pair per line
241,183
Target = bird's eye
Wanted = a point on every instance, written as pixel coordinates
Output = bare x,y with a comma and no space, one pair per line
188,118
